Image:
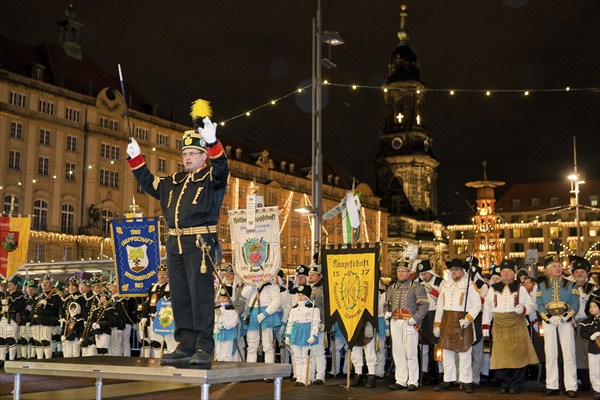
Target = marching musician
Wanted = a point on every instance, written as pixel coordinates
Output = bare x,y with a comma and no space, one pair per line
159,290
408,305
73,330
13,305
45,318
557,304
506,305
590,330
458,306
315,280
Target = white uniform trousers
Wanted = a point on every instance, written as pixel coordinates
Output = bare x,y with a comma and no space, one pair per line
477,366
42,335
552,334
268,345
381,356
71,348
370,355
102,343
115,346
465,369
9,333
340,343
405,350
300,360
594,360
127,340
318,350
27,350
224,350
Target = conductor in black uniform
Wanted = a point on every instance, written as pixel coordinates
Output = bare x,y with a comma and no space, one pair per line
190,202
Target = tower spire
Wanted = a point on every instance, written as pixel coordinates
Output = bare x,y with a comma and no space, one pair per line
69,34
403,33
484,172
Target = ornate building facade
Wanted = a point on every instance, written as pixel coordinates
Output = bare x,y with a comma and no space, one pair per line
64,130
406,170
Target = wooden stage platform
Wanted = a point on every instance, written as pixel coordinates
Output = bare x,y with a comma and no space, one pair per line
147,369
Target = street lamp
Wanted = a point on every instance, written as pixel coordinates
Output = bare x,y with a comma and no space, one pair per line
575,182
332,39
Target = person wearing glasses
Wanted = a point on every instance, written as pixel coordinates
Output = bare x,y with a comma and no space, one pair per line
190,202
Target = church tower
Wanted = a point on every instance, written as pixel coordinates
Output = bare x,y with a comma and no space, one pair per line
69,34
406,170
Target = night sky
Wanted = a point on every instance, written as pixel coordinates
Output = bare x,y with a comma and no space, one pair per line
241,54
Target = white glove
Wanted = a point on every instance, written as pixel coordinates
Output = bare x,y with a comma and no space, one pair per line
287,341
95,325
519,309
464,322
28,324
321,327
260,317
387,315
369,331
143,322
310,340
4,308
62,321
555,320
80,341
216,329
595,336
486,333
63,338
209,132
43,302
4,302
436,332
133,148
411,321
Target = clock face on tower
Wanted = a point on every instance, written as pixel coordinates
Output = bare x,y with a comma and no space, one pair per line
397,143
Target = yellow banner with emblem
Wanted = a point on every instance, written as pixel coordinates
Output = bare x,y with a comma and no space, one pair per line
14,242
351,279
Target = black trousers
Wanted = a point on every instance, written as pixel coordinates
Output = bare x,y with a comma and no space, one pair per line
511,378
193,296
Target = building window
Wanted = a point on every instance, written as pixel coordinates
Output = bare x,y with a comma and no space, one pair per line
141,133
67,253
516,204
162,140
178,144
46,107
11,201
553,201
594,200
535,202
72,114
107,217
67,219
40,215
43,166
555,232
17,99
224,231
162,165
71,143
14,160
110,152
108,123
70,171
225,208
39,252
45,137
593,232
242,192
517,233
16,130
109,178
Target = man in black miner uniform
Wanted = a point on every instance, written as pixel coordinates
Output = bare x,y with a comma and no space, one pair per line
190,202
13,304
159,290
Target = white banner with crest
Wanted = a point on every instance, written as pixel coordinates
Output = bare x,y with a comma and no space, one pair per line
256,254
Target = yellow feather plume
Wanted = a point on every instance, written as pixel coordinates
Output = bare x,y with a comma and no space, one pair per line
200,109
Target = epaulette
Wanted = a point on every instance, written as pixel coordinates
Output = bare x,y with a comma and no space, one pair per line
479,283
437,280
229,307
282,289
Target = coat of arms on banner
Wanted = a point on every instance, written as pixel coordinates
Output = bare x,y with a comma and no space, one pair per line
164,321
10,241
256,252
137,257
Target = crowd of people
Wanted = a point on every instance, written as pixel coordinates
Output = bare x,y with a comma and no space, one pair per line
430,328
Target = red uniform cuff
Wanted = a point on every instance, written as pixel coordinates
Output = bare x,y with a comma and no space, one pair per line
485,326
135,163
214,150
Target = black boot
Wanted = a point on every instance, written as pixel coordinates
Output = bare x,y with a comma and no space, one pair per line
370,381
357,381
